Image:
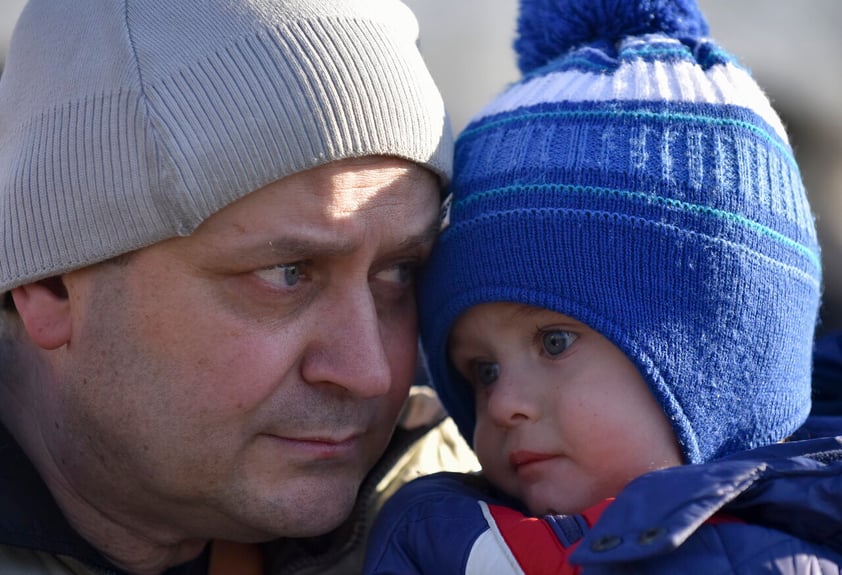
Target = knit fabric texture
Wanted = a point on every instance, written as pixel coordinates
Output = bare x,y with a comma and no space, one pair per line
126,122
637,179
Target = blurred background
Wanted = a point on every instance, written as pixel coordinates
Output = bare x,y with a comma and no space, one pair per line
791,47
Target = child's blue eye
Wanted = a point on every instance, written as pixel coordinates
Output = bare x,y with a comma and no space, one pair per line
485,372
555,342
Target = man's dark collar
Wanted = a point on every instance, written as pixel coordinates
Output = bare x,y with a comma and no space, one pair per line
30,517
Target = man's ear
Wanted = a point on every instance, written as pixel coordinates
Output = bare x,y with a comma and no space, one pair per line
44,309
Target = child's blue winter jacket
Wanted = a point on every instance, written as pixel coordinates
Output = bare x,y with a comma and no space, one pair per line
776,509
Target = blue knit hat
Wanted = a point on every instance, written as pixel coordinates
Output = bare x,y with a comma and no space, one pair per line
637,179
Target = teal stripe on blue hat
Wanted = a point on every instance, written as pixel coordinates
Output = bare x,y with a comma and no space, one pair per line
690,158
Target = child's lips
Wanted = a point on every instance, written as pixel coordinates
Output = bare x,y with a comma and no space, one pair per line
520,459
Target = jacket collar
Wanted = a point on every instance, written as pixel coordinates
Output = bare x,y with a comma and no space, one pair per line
30,517
658,511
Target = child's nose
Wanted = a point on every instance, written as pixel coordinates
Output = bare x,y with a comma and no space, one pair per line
512,401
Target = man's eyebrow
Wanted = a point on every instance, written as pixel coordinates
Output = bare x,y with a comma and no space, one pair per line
297,246
425,238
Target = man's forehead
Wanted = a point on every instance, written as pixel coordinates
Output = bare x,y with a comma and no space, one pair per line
353,186
339,188
277,227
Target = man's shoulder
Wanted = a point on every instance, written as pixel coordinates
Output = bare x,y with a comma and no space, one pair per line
428,446
22,561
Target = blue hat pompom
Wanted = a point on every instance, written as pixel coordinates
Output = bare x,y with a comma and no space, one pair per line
548,29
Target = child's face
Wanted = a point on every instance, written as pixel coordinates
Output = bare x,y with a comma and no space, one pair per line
564,419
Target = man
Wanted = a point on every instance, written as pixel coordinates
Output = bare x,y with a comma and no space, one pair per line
211,215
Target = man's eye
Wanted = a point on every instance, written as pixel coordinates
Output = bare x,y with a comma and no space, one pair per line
484,373
399,274
285,275
556,341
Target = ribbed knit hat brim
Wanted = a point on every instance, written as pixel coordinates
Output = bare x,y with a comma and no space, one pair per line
125,123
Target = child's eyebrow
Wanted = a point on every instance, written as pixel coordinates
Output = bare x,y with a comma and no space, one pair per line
530,313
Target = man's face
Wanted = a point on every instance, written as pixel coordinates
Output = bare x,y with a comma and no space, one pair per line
240,382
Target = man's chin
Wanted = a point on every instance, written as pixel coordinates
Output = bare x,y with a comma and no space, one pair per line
314,510
324,520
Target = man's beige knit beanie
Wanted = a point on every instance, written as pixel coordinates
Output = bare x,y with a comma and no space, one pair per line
126,122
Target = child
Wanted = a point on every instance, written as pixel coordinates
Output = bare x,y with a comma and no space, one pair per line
626,282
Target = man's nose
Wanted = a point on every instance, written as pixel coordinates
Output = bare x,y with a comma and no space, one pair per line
348,349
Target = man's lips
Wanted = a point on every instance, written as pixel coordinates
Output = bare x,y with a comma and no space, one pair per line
321,446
